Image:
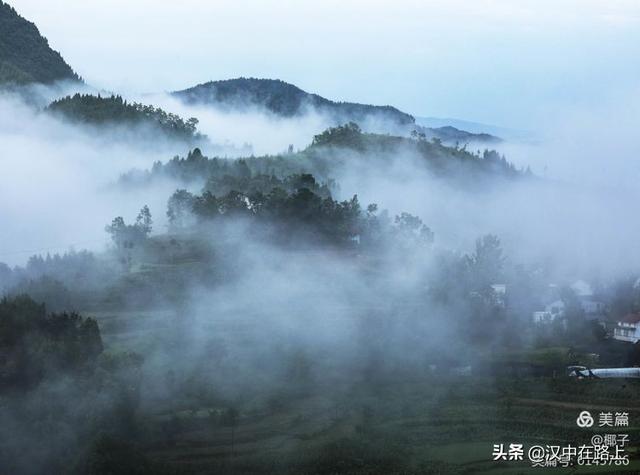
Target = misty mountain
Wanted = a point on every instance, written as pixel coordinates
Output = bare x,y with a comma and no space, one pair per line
349,142
474,127
283,99
114,110
25,55
286,100
453,134
365,294
336,151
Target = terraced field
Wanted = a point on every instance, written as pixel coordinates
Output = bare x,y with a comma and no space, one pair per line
409,423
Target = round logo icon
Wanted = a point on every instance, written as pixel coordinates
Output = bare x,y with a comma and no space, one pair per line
584,419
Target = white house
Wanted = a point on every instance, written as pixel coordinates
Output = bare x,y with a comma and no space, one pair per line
500,291
584,292
550,313
628,328
541,317
592,308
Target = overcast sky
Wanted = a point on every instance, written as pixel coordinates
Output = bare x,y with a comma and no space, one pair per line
505,62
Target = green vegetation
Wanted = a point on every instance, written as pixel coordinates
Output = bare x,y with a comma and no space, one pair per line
331,152
453,135
57,382
452,162
25,56
225,392
286,331
276,325
286,100
114,110
283,99
38,346
298,212
272,327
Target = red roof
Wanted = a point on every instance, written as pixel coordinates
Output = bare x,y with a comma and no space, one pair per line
630,318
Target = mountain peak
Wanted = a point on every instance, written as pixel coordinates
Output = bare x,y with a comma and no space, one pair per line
25,55
283,99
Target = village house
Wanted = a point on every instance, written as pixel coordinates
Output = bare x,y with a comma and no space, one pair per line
592,308
628,328
500,292
551,312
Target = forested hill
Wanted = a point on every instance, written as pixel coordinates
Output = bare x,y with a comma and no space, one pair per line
114,110
331,152
349,142
286,100
452,134
25,55
283,99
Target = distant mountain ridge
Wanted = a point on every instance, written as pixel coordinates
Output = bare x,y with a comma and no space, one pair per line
27,58
287,100
282,99
448,133
474,127
25,55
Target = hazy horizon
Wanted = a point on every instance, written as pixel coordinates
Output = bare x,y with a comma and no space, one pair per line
241,280
510,64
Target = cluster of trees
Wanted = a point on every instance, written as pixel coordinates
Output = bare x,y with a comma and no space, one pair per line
63,281
348,135
48,289
25,56
127,237
248,184
67,265
452,135
462,284
92,109
625,294
330,150
299,208
36,345
302,211
196,167
499,164
59,386
452,162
